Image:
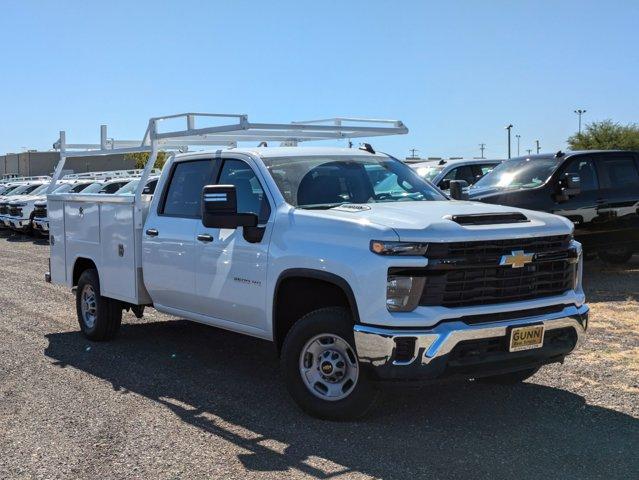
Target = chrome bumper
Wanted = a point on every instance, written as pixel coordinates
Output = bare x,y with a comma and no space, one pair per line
376,346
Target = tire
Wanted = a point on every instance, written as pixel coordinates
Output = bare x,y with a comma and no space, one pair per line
511,378
616,256
99,317
325,337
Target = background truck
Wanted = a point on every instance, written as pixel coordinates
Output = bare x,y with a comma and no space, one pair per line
354,278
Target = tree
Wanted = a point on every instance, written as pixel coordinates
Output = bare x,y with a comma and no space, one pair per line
142,157
606,135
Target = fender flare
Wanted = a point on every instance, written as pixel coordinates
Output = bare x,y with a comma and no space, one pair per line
318,275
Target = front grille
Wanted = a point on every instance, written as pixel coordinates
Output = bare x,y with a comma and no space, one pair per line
40,212
494,249
15,211
464,274
4,209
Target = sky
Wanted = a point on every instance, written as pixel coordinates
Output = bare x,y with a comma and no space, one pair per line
455,72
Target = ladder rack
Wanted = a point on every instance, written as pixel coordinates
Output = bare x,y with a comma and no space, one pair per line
196,133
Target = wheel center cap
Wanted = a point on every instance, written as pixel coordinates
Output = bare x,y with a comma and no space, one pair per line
327,368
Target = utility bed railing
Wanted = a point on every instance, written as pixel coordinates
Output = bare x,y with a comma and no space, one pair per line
195,133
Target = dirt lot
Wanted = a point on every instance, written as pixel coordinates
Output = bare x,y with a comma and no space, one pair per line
169,399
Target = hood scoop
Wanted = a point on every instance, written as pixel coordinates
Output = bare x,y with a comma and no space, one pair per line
488,218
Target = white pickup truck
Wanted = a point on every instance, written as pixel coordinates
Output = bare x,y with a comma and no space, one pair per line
299,246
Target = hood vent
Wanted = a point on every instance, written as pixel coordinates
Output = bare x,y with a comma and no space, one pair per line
488,218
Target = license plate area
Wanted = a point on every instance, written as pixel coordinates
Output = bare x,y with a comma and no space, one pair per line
528,337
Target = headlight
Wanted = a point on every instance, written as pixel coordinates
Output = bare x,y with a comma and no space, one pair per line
398,248
403,292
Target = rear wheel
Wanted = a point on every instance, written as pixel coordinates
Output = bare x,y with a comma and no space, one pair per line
511,378
617,256
99,317
321,368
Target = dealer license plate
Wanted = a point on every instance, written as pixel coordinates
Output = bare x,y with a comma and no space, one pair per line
526,338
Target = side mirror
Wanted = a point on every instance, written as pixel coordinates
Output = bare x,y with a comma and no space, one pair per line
444,184
457,189
219,208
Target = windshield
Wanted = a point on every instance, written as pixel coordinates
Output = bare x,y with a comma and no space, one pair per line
429,172
129,188
519,173
93,188
326,182
9,190
40,189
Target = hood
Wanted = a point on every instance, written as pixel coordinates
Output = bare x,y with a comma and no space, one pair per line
432,220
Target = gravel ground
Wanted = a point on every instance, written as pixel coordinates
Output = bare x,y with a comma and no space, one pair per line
170,399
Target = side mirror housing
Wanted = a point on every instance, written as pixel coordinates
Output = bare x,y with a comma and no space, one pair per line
219,208
444,184
569,186
459,189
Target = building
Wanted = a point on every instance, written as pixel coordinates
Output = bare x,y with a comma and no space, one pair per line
33,163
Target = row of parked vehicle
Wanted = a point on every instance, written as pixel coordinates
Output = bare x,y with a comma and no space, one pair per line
23,200
597,190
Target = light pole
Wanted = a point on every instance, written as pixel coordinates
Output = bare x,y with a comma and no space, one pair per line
412,152
529,150
580,112
518,137
509,127
537,144
482,147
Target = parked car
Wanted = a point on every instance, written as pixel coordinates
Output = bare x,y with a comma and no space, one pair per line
22,212
597,190
298,246
441,172
19,192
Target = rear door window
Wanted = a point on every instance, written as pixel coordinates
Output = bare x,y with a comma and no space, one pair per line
183,197
619,171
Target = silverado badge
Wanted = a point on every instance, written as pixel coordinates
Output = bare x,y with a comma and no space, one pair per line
518,259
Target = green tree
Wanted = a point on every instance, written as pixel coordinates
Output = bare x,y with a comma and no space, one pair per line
142,157
606,135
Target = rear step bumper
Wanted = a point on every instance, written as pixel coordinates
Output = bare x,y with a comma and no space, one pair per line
457,349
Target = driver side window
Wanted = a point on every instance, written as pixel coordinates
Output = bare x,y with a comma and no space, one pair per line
585,168
250,194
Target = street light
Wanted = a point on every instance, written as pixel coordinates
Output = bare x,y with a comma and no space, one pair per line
508,128
518,137
537,142
580,112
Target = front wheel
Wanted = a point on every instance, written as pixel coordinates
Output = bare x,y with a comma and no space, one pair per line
321,368
617,256
99,317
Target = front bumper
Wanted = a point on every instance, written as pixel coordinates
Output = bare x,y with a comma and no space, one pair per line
458,349
18,223
41,225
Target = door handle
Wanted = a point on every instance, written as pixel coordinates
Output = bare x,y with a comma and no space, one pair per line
152,232
205,237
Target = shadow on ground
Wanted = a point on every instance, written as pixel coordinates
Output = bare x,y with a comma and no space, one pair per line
219,381
611,283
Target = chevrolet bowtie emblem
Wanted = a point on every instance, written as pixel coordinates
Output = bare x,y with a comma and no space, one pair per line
518,259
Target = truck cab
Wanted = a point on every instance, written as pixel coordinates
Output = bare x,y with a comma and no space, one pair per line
354,284
598,191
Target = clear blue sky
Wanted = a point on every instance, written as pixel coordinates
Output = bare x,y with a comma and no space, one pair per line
455,72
